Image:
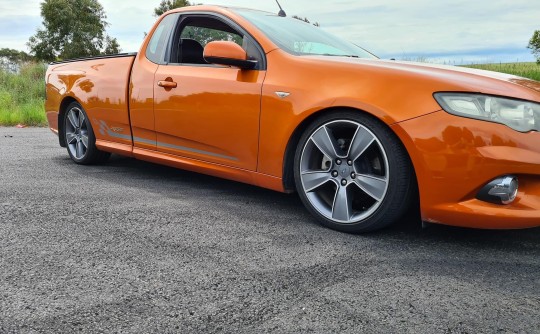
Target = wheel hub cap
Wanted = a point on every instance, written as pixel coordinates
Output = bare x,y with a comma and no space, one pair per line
345,171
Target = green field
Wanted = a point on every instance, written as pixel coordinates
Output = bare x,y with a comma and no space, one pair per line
22,94
526,70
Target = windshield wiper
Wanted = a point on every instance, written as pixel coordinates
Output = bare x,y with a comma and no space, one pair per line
333,55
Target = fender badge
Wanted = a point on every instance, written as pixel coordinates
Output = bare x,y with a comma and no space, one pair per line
283,94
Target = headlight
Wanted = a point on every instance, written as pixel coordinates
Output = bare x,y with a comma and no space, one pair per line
523,116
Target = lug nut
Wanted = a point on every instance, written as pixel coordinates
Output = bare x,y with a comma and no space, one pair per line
334,173
353,175
338,161
349,162
343,182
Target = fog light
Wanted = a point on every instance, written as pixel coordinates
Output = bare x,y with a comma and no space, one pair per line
500,191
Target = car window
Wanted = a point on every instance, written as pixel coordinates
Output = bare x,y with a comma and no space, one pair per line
196,32
205,35
155,52
300,38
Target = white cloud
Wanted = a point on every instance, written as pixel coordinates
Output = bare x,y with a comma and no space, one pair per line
14,7
390,28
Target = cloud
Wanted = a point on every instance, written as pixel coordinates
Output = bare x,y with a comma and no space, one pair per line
435,26
16,7
129,22
15,30
389,28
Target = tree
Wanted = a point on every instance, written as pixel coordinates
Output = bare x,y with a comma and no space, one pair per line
72,29
534,45
15,56
11,60
167,5
111,46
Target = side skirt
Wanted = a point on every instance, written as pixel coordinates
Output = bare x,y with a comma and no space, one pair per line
198,166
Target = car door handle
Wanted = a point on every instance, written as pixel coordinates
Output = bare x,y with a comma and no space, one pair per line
167,84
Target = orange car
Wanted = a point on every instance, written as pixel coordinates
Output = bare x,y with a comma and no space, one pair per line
275,102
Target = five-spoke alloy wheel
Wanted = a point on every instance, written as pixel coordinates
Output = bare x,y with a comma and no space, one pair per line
79,137
76,133
352,172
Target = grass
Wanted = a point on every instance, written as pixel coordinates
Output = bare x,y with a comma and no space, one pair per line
526,70
22,96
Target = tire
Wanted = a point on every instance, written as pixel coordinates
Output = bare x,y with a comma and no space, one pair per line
352,172
80,138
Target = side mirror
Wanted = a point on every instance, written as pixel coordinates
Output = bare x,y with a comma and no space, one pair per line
228,53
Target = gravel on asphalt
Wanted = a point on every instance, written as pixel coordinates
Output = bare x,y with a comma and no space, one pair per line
134,247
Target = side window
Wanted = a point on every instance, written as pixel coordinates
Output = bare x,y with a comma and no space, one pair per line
196,32
155,52
206,35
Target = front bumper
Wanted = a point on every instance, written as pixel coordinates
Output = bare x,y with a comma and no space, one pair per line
455,157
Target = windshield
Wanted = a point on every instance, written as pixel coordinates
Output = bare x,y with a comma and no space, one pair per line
301,38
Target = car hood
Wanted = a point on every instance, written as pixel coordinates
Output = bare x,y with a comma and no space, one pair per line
456,78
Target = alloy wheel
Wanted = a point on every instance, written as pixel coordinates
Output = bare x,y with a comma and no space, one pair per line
77,133
344,171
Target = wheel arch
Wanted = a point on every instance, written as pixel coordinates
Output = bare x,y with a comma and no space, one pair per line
288,161
61,113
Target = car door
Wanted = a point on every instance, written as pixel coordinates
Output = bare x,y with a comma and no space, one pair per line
208,112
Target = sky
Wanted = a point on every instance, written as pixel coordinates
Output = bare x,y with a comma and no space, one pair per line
453,32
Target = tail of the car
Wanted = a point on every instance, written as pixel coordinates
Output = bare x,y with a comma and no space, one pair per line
99,84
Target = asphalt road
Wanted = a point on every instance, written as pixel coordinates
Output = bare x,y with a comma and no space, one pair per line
138,248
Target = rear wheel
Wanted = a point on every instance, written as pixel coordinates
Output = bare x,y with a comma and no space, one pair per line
352,172
80,139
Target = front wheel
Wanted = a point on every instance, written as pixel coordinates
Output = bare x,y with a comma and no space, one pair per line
80,138
352,172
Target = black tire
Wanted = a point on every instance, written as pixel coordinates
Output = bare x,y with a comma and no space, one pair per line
80,138
375,180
